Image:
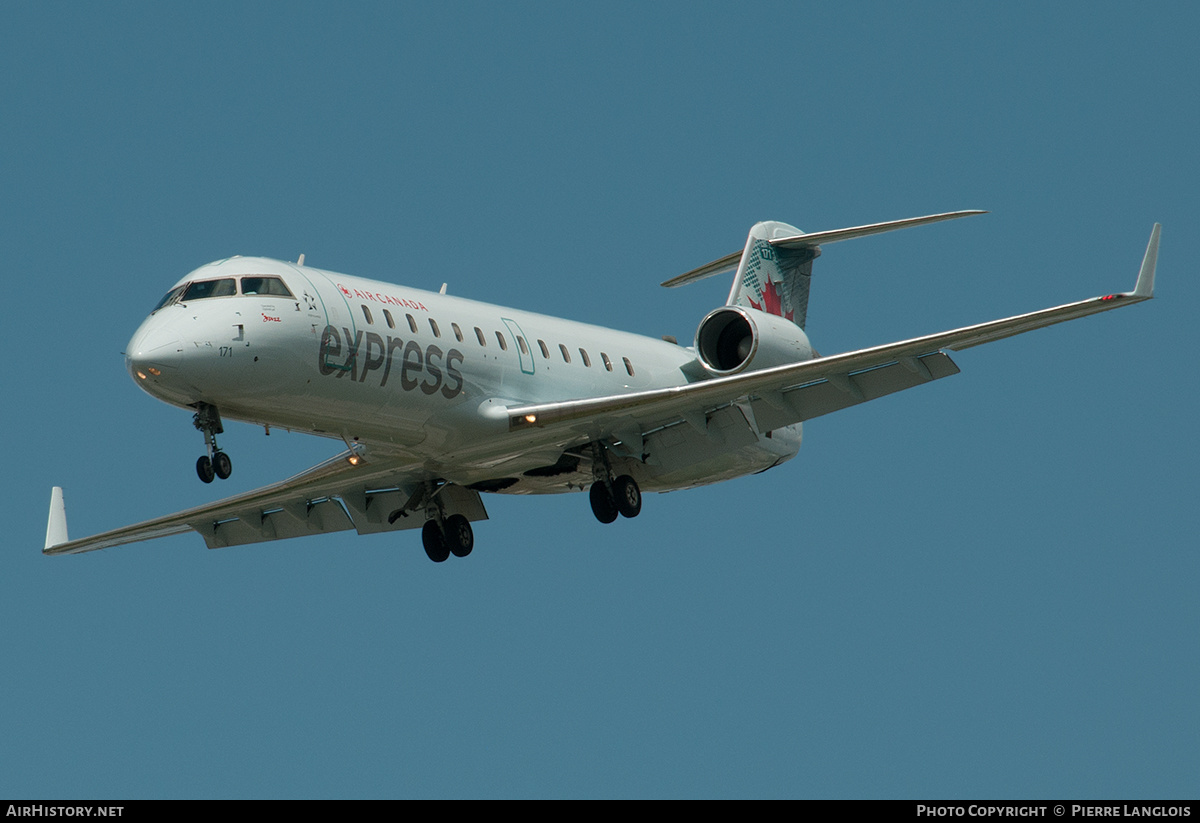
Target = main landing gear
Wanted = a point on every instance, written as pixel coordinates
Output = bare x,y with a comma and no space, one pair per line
215,463
444,535
452,536
611,496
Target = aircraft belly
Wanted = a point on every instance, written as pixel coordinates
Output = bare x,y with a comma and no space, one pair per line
675,458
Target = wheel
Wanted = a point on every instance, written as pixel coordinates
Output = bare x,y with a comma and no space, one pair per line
628,496
603,506
435,541
459,536
222,465
204,468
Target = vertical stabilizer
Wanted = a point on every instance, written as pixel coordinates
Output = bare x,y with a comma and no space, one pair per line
774,279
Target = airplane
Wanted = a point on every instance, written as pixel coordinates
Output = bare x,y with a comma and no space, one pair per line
439,400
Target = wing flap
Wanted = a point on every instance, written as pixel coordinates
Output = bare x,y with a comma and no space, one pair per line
822,397
256,526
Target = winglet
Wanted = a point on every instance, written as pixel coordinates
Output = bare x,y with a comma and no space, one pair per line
56,527
1145,281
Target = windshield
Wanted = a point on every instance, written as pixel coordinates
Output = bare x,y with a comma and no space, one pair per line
264,285
169,298
203,289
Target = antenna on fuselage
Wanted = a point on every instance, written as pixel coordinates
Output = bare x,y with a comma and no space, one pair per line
300,262
442,290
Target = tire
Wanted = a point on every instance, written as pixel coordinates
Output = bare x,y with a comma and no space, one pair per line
459,536
204,468
222,465
628,496
603,506
435,542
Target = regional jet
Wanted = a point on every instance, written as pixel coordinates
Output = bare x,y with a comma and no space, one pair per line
439,400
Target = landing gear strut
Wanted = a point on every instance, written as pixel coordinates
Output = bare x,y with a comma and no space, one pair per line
611,496
215,463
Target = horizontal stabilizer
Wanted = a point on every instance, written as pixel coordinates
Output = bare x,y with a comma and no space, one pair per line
727,263
801,241
808,241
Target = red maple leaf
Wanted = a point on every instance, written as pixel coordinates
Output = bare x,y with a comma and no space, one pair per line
772,302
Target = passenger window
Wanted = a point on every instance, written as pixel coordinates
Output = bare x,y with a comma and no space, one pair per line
500,338
412,324
433,325
566,354
204,289
482,339
587,361
545,351
521,343
607,362
628,366
265,285
367,314
388,316
457,332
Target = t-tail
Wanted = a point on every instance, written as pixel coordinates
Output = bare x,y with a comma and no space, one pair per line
771,278
774,270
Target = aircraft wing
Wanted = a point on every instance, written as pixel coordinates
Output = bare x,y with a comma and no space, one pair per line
800,391
332,496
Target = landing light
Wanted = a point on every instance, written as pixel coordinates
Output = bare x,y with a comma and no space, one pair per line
354,460
153,371
531,418
141,375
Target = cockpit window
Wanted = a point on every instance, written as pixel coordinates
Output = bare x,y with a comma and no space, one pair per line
265,285
170,298
202,289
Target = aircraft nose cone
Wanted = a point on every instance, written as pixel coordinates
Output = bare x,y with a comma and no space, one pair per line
150,346
152,342
154,359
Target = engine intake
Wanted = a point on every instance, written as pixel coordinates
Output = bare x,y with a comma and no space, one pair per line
733,339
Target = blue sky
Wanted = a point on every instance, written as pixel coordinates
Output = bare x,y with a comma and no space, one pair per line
980,588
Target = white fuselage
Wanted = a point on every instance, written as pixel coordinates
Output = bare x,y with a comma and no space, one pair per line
417,373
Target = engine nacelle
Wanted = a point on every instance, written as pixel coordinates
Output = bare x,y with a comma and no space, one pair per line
733,339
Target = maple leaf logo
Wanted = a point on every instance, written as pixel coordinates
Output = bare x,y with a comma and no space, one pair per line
772,302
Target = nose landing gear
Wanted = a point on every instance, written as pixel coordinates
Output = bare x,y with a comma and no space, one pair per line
216,463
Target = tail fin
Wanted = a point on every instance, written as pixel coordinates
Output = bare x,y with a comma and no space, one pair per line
774,279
